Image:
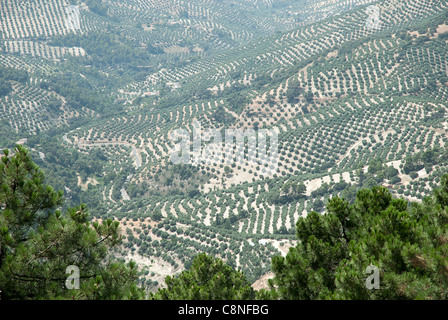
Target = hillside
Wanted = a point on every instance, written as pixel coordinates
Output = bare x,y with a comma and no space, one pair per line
353,106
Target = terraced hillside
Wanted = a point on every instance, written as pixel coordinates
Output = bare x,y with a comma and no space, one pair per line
353,106
39,36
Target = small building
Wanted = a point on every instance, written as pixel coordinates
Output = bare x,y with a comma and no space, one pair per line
173,85
151,93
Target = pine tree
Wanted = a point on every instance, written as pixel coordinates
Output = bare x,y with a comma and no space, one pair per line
337,252
38,242
208,278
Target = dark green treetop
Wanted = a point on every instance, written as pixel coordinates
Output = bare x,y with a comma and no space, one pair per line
407,244
208,278
38,242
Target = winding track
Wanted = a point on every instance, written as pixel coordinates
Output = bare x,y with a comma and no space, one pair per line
134,153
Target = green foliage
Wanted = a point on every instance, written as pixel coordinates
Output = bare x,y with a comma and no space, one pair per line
5,87
157,216
221,116
421,159
7,135
227,223
38,242
106,49
21,76
78,91
293,93
7,74
97,7
207,279
184,171
290,191
364,96
409,246
236,96
377,173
